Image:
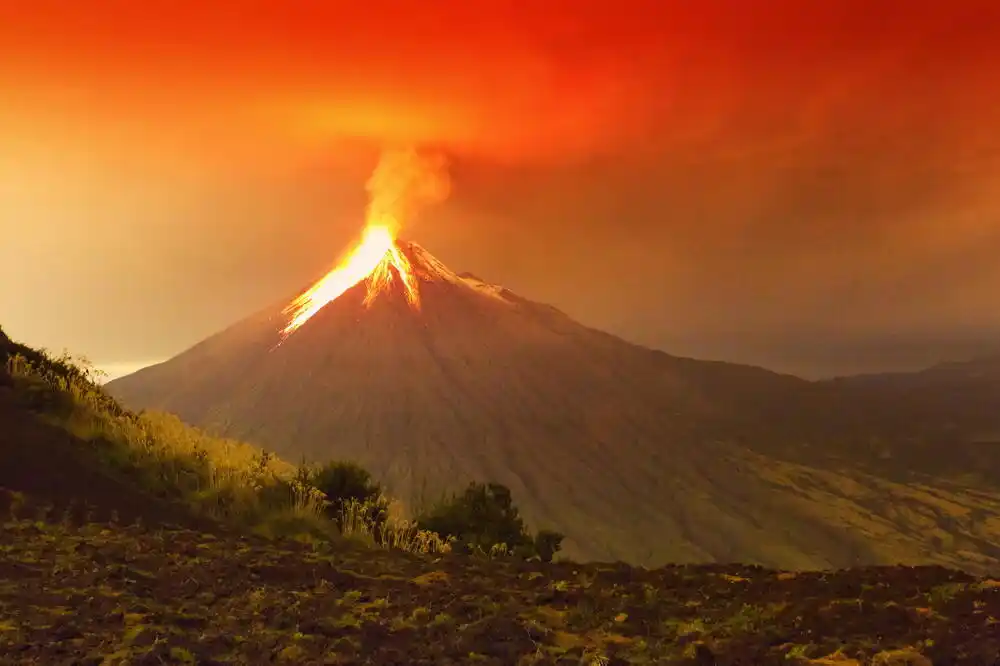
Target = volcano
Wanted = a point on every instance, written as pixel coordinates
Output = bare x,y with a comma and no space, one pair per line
431,379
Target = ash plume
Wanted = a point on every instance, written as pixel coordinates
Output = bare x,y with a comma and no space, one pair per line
403,183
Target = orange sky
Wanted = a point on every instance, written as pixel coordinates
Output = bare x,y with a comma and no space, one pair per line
719,178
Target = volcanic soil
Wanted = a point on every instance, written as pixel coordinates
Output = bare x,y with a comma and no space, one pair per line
108,593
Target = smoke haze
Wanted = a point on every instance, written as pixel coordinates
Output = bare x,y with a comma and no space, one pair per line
405,181
807,186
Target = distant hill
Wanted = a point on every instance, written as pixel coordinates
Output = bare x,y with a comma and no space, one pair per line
945,419
633,453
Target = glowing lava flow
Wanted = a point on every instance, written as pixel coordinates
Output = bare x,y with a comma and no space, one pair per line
403,181
372,260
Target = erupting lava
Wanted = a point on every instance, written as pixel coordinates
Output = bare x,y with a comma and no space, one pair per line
372,260
400,184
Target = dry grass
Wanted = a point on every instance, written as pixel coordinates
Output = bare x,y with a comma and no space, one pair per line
224,479
398,533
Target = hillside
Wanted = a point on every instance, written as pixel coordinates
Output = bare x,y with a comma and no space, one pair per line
43,462
69,452
634,454
53,468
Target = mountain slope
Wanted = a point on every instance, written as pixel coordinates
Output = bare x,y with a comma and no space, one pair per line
634,454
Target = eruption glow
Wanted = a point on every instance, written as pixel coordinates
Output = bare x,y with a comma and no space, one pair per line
402,182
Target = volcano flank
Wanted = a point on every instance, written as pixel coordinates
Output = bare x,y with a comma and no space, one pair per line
632,453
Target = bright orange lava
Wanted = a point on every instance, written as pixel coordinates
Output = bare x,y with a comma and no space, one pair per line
372,260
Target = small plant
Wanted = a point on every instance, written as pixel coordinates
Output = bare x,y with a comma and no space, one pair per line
547,544
16,503
799,652
942,594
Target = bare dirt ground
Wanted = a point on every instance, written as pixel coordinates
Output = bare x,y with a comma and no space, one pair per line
102,593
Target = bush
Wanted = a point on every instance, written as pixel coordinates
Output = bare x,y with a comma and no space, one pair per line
483,519
547,544
347,486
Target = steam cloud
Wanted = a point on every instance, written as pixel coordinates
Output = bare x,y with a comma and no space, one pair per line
404,182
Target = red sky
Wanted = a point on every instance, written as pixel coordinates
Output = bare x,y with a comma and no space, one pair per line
807,185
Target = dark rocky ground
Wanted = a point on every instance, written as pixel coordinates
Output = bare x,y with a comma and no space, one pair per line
108,593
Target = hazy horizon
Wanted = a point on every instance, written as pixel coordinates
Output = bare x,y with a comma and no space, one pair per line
866,360
113,371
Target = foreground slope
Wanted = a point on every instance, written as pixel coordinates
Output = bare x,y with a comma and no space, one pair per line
100,592
43,465
634,454
69,452
47,468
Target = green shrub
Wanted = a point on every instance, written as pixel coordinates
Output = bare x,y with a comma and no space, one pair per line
483,519
547,544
